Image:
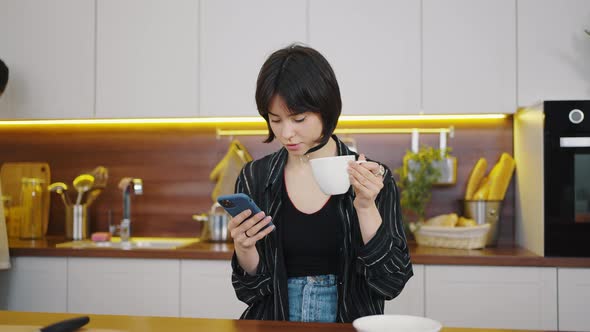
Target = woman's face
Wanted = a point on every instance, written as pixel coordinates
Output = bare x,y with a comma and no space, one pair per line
296,132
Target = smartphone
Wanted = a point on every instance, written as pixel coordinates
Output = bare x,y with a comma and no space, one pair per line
234,204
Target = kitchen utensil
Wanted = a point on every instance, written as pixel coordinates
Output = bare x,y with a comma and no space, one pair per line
401,323
11,174
83,183
31,199
101,175
214,227
60,188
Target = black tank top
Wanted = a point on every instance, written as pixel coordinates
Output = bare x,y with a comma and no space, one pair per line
311,242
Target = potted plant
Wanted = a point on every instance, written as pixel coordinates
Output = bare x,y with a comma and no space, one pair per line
416,177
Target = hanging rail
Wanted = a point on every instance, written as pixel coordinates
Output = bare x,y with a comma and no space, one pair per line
261,132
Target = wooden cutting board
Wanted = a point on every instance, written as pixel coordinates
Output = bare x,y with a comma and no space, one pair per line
11,174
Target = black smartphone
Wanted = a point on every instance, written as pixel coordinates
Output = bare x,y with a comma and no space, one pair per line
234,204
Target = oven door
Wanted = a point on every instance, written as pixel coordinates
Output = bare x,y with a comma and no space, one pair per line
567,195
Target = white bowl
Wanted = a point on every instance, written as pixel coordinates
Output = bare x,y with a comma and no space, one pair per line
397,323
331,174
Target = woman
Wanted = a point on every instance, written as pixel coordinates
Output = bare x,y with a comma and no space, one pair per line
331,258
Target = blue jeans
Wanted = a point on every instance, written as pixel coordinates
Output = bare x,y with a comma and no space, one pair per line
313,298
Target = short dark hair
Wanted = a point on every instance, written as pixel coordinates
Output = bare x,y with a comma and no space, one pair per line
306,82
3,76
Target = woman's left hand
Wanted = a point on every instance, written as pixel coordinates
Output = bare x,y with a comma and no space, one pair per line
366,178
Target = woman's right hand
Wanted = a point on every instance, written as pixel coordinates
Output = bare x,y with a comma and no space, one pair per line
246,229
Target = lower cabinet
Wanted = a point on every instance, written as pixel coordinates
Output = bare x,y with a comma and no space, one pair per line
457,296
411,299
574,299
492,297
124,286
36,284
206,290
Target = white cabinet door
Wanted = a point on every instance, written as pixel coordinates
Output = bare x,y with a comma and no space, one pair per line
236,37
411,300
574,299
49,49
374,49
492,297
147,58
553,50
126,286
34,284
469,56
206,290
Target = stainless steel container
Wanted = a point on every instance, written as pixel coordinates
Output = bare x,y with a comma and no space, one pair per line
214,225
77,222
485,212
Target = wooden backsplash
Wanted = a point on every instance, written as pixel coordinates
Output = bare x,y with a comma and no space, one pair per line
175,161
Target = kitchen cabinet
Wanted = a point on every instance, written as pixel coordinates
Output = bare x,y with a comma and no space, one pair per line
34,284
235,39
469,56
206,290
147,58
49,49
117,286
574,299
411,299
374,49
470,296
553,50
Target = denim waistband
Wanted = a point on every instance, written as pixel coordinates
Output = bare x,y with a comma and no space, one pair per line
325,279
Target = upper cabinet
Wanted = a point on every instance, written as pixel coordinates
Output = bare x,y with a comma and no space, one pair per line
49,49
147,58
235,39
553,50
469,56
374,49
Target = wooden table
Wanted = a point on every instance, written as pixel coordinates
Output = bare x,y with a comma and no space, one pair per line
27,321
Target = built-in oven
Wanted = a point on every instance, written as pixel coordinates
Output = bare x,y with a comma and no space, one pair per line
567,178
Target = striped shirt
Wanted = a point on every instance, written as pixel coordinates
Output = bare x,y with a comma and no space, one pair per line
368,274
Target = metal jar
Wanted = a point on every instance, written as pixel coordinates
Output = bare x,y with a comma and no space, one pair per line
485,212
214,225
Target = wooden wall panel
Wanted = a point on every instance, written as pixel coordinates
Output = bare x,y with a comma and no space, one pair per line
174,163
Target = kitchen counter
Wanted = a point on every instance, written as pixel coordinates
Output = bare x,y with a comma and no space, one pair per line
499,256
27,321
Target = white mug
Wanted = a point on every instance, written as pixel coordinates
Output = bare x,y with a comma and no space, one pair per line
331,174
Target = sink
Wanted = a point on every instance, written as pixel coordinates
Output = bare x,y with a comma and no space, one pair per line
134,243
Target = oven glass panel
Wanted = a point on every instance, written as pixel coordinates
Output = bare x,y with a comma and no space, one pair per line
582,188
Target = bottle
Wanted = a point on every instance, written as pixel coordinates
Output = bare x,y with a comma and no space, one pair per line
31,226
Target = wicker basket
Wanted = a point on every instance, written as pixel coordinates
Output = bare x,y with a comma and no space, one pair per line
473,237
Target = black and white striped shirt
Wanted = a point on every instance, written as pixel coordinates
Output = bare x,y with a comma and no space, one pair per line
368,274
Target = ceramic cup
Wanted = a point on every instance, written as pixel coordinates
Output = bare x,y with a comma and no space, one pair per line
331,174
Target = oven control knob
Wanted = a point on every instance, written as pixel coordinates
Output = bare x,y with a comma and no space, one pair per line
576,116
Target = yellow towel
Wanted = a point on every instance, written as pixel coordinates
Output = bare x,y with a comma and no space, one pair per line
4,257
227,170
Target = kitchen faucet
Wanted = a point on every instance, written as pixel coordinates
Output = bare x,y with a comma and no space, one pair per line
129,186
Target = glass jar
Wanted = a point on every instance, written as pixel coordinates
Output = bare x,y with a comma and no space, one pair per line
31,223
